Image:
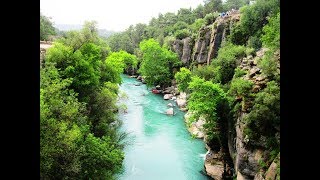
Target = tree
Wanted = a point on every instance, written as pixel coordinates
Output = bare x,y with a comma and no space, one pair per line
252,20
122,61
46,28
226,61
183,77
121,41
211,6
264,118
205,97
234,4
157,63
271,36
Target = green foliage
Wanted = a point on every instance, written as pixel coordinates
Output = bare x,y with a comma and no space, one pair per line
262,164
240,87
253,18
102,109
122,61
100,159
205,98
199,11
82,65
237,35
79,136
198,23
179,26
269,66
250,51
264,118
254,42
181,34
238,72
206,72
120,41
271,36
210,18
213,6
234,4
186,15
168,41
157,63
46,28
183,77
226,61
62,124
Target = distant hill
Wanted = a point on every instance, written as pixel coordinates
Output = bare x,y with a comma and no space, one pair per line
67,27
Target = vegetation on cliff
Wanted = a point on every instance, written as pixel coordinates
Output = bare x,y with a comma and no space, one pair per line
79,77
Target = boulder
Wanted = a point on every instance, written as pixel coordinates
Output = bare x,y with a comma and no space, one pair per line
139,78
182,100
170,105
169,111
167,96
215,171
253,71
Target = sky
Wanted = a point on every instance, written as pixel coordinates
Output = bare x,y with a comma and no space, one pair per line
114,15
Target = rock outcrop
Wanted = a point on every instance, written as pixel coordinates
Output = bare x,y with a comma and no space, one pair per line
200,51
195,128
183,48
182,100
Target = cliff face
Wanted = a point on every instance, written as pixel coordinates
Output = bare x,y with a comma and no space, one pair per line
183,49
247,160
239,158
207,43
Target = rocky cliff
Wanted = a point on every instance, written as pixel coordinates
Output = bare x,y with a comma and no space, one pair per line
240,158
207,43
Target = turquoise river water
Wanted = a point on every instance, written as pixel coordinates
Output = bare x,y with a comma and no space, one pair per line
161,147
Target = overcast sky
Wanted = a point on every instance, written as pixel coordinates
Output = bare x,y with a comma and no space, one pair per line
116,15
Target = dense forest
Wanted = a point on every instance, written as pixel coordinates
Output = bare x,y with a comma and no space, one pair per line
79,129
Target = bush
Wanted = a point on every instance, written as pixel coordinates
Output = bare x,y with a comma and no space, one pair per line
264,117
183,78
269,66
240,87
206,72
210,18
271,36
226,61
181,34
254,42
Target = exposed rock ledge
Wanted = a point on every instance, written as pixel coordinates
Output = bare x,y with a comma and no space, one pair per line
195,128
213,164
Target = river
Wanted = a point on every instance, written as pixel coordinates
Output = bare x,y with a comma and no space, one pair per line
161,147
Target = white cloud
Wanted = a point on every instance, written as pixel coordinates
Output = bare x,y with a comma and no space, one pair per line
114,15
